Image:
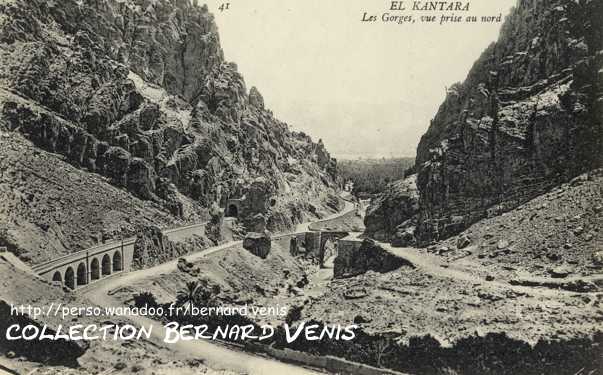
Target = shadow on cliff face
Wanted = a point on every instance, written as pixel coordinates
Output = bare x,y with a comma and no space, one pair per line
59,352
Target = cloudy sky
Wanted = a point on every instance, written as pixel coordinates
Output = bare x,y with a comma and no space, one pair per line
366,89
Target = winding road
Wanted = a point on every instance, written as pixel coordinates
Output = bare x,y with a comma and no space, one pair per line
429,264
216,356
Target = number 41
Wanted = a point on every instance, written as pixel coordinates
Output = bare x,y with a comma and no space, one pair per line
224,6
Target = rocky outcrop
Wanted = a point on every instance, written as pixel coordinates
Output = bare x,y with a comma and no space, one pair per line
259,244
528,116
152,247
365,256
139,92
398,204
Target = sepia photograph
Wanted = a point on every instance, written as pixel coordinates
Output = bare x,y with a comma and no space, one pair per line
296,187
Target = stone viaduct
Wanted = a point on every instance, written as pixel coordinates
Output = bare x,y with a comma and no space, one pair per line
87,266
95,263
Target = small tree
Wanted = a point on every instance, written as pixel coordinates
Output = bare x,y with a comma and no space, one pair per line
294,314
381,348
208,295
188,294
145,299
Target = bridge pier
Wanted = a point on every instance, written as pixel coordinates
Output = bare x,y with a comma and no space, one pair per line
103,260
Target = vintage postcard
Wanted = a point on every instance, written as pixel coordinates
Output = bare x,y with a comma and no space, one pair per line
269,187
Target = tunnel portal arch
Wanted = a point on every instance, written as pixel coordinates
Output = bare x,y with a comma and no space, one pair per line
232,210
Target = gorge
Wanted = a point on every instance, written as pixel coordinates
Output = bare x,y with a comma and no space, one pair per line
136,99
137,167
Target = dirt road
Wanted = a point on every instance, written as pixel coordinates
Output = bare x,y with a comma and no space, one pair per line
432,265
216,356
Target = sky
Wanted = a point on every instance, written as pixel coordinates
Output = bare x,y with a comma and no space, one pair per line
367,89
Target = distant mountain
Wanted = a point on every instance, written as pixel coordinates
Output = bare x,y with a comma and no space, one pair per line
371,176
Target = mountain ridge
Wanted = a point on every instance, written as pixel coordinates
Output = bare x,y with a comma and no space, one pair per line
139,92
527,118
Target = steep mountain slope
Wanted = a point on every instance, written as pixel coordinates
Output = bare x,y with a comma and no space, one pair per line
137,95
527,118
62,357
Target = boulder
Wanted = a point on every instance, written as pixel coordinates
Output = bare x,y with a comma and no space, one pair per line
368,256
560,272
256,223
463,241
259,244
116,163
141,178
404,236
502,244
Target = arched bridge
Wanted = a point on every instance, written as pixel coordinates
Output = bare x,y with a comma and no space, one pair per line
97,262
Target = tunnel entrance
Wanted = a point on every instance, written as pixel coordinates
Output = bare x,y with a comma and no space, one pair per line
232,211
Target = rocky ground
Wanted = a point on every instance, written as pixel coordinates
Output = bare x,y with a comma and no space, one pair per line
243,278
493,279
455,299
532,274
102,356
557,235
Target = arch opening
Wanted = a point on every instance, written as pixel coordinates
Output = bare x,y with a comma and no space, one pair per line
70,278
57,277
117,263
106,265
81,274
94,269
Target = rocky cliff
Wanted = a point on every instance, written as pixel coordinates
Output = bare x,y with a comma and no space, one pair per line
393,211
138,94
527,118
